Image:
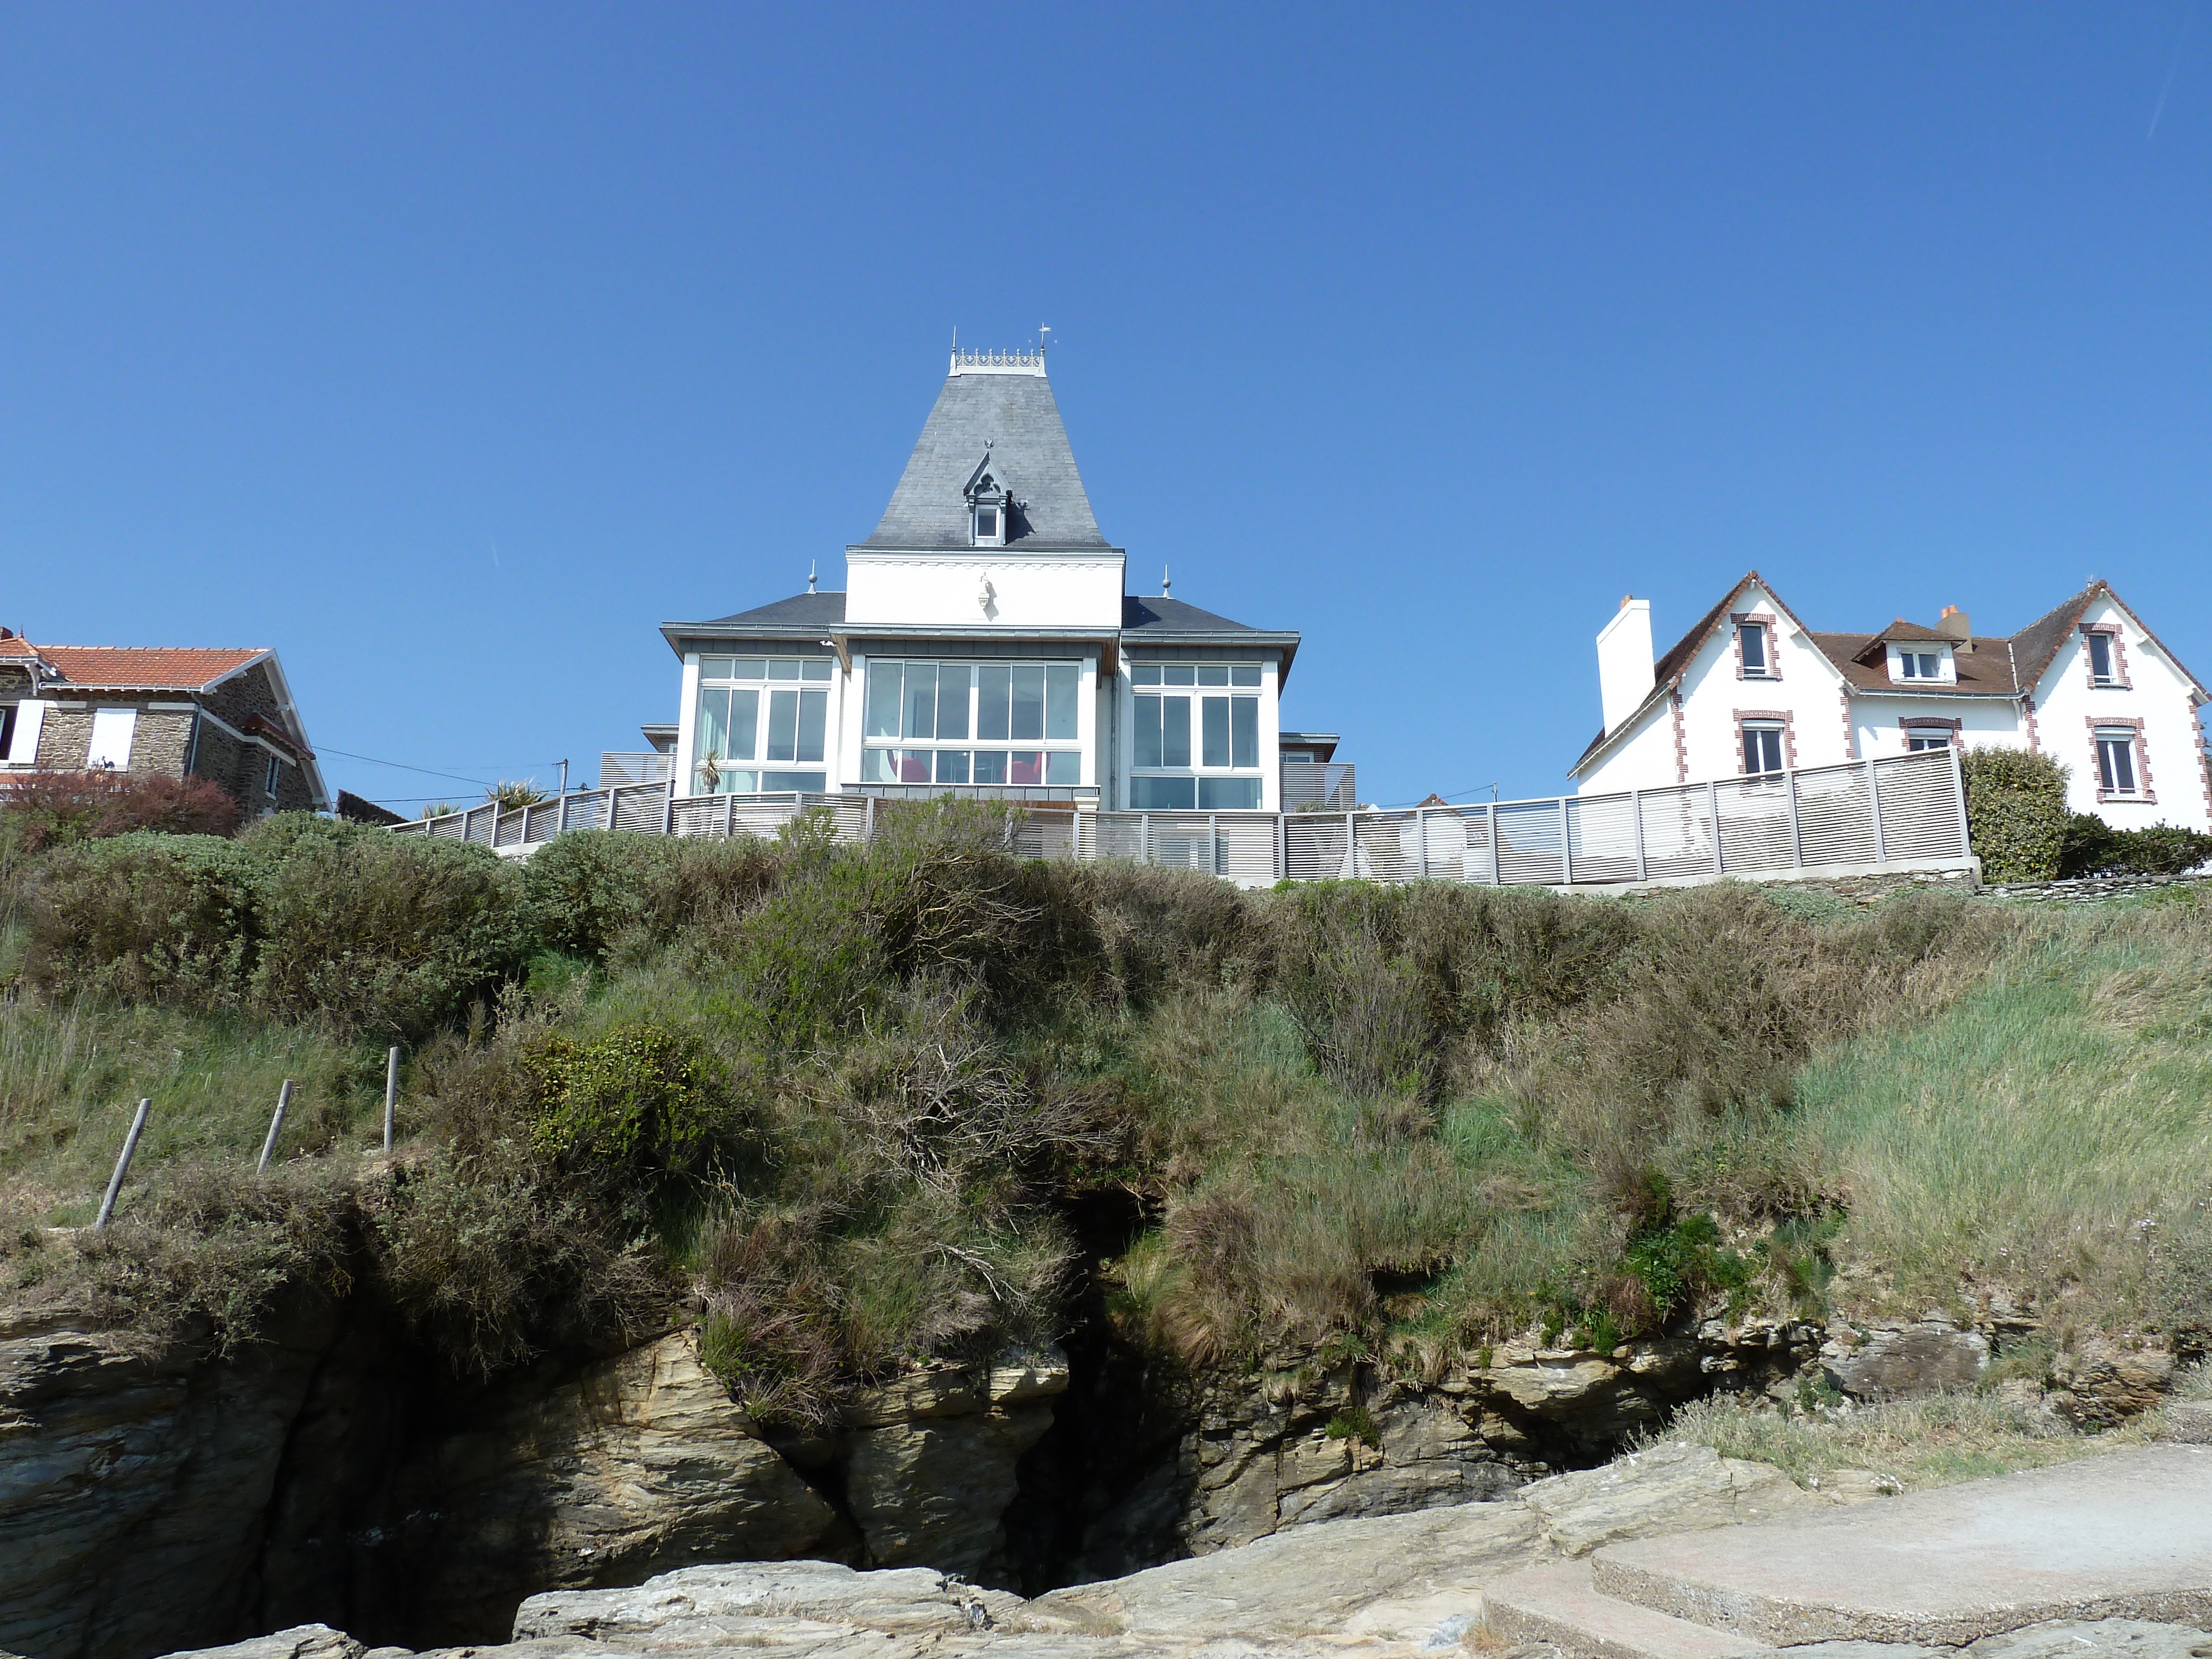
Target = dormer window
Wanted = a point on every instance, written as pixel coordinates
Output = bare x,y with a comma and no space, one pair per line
1920,666
990,504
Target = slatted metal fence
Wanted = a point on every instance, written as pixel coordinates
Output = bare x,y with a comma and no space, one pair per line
1905,811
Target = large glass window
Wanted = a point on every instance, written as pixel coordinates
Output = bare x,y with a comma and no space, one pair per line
1220,733
762,721
1020,710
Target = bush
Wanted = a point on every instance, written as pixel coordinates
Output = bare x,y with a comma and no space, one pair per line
380,932
144,917
2093,847
592,888
2015,812
638,1100
42,808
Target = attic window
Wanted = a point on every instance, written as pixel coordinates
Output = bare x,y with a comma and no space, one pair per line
987,525
1920,665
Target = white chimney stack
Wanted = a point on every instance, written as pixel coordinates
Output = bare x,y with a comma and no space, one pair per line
1623,661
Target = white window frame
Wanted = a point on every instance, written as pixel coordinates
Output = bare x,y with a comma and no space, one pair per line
2109,675
272,774
764,675
1746,631
1062,764
1242,681
23,742
1780,733
1907,666
2129,741
1918,739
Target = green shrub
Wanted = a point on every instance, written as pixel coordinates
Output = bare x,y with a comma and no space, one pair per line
592,888
2093,847
639,1099
145,917
380,932
2015,812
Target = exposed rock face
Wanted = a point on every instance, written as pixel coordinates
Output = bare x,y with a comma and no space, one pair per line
1676,1488
133,1491
638,1464
1897,1362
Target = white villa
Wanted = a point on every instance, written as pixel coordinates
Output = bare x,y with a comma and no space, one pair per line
986,643
1750,690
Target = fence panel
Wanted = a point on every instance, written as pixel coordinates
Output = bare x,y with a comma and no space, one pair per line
1601,838
1755,824
1316,842
1919,807
1678,832
1245,847
1531,844
642,808
1044,834
1456,842
1835,816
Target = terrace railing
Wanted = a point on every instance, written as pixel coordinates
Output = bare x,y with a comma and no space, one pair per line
1906,813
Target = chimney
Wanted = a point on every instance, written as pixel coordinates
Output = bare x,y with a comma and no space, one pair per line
1623,661
1953,626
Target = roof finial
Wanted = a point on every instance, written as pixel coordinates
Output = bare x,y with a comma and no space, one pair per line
1166,587
810,575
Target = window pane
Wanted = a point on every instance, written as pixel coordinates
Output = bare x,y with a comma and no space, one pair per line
782,725
1213,676
801,783
739,783
815,668
749,668
2100,656
954,681
783,668
744,725
2116,762
990,766
920,700
1148,732
1162,794
1179,674
714,668
1061,681
1144,674
813,717
1229,794
914,765
952,766
1215,727
993,687
1028,703
1754,647
1174,731
1244,673
1244,730
875,766
1024,766
1063,765
713,735
884,699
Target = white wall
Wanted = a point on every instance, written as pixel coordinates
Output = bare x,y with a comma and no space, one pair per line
2066,704
926,590
1995,724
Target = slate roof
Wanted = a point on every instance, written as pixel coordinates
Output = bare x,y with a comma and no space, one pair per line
799,610
137,668
1016,418
1163,615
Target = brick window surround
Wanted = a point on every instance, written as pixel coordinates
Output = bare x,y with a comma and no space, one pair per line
1767,716
1740,620
2119,682
1910,723
2144,793
1682,741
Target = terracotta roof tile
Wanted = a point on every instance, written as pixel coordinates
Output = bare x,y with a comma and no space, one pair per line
160,667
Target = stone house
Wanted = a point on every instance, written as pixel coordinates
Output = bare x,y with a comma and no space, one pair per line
182,712
1751,689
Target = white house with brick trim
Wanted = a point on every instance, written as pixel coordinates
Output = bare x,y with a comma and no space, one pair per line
1750,690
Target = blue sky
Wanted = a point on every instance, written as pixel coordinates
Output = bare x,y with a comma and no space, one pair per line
450,350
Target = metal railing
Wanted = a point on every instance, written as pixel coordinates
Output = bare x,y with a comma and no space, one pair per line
1903,812
649,766
1325,785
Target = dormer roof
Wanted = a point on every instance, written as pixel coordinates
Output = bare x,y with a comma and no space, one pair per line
1012,420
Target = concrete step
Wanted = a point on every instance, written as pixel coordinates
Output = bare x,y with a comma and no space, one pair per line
1556,1603
2126,1534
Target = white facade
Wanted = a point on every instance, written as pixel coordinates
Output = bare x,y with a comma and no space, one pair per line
1750,689
986,643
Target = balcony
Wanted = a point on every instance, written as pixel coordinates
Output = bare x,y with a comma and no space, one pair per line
1319,786
618,771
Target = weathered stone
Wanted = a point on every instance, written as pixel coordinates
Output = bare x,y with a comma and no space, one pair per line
2188,1421
925,1394
98,1445
2107,1382
300,1642
640,1463
1899,1362
1667,1489
682,1607
935,1491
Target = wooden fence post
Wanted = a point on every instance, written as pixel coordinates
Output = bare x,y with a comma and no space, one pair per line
275,1126
391,1094
123,1164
